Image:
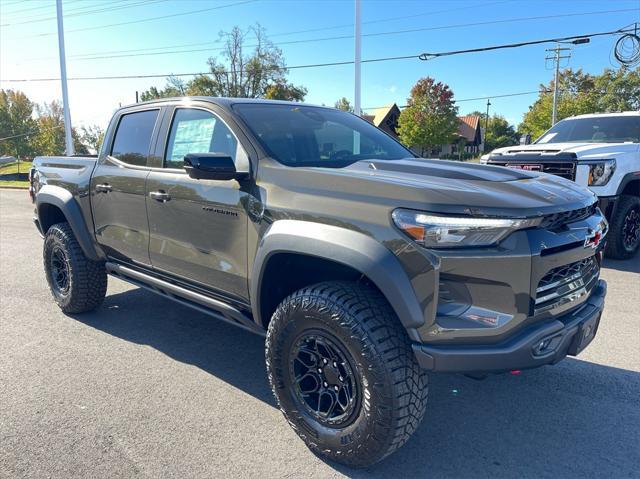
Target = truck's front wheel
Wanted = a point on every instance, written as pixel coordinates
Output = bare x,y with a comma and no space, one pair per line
624,236
77,283
343,372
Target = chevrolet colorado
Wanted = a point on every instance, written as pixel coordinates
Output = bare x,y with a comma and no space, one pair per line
600,151
365,267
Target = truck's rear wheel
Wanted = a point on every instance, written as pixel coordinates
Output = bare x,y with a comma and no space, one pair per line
77,283
342,370
624,236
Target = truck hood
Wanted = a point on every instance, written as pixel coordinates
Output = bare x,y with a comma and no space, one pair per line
441,186
582,151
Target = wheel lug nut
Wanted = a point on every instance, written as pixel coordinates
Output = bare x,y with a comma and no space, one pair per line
319,370
340,378
336,387
325,360
335,365
325,384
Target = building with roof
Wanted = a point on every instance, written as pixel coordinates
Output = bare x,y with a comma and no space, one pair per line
469,129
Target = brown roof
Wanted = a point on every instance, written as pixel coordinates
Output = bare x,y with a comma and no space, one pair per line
468,126
380,114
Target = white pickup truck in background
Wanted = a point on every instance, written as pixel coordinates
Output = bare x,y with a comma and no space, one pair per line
599,151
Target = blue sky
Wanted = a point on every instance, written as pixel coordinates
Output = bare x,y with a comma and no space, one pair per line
28,46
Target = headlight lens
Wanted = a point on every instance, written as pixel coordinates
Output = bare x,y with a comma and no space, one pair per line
432,231
600,172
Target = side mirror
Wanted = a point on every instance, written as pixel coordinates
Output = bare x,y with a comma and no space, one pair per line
212,166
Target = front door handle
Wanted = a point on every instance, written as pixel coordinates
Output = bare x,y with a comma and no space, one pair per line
160,196
104,188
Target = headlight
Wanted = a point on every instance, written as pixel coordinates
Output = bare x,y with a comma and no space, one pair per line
432,231
601,171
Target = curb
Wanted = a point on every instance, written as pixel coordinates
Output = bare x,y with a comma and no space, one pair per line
12,187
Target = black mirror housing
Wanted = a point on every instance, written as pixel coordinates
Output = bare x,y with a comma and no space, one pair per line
211,166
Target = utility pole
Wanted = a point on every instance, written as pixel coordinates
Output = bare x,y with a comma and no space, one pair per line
357,59
63,77
486,125
557,56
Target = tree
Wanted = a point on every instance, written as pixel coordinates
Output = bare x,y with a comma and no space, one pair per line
285,91
92,137
499,132
430,118
344,104
175,87
259,74
16,124
50,137
579,93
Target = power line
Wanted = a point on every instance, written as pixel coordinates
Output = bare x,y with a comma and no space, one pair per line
431,56
488,97
165,75
101,8
422,56
41,7
126,53
143,20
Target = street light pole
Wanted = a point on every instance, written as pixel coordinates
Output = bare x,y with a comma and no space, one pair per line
63,77
357,59
486,125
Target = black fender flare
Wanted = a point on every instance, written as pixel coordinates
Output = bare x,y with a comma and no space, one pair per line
64,200
344,246
626,179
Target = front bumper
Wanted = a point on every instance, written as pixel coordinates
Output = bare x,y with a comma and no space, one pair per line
567,335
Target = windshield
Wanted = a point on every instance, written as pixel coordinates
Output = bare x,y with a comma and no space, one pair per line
604,129
313,136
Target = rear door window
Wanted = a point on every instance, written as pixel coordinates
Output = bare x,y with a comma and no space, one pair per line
133,137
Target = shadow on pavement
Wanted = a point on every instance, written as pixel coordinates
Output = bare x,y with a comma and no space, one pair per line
574,419
631,265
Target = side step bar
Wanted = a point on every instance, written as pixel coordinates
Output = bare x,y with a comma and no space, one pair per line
200,302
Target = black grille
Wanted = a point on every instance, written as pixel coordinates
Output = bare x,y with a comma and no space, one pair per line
566,169
557,220
566,284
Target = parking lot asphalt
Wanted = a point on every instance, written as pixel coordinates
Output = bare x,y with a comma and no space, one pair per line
144,387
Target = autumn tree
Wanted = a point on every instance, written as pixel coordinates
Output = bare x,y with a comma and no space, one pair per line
260,73
344,104
430,118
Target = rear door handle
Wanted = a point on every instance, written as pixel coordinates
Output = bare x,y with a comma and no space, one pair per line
104,188
160,196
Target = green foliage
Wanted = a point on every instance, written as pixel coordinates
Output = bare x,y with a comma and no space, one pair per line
430,117
16,120
499,133
580,93
344,104
92,137
259,74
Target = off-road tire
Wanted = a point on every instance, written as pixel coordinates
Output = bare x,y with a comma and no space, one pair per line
394,388
616,247
87,280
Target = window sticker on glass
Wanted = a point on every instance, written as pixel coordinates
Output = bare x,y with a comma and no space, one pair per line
191,136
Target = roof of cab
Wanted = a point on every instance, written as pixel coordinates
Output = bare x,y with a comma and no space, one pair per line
596,115
222,101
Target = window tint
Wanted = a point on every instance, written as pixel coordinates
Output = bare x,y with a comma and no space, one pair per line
605,129
197,131
312,136
133,137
